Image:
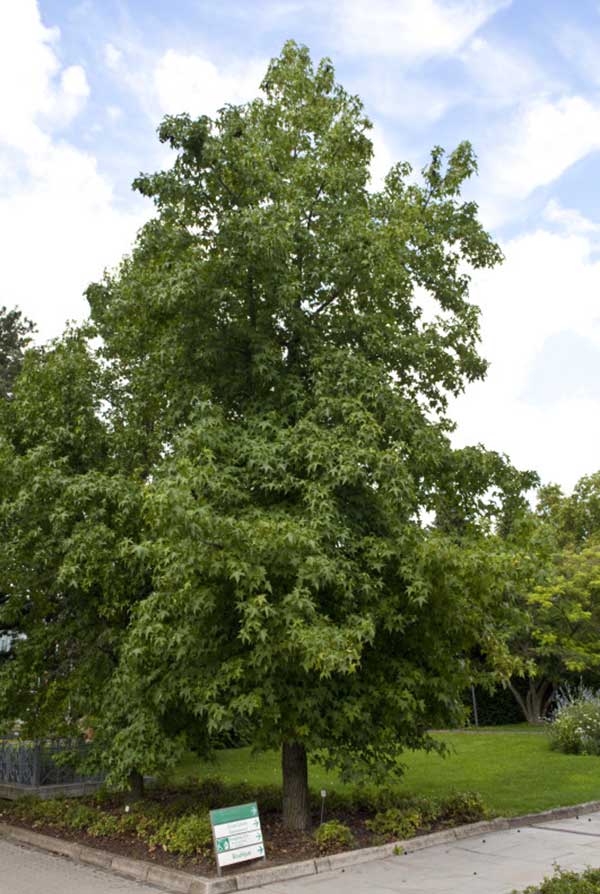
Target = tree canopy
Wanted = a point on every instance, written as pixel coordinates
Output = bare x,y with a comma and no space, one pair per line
244,498
558,636
15,335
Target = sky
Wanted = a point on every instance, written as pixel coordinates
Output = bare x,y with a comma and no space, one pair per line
86,82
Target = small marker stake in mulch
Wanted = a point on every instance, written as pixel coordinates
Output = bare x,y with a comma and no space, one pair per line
323,796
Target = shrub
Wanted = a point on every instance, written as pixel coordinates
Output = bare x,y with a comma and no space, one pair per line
395,823
143,822
463,807
104,825
568,883
47,813
332,836
575,726
187,836
80,817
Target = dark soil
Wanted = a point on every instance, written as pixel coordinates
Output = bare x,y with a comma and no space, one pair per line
281,845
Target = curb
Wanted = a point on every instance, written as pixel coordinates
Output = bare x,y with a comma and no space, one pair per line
184,883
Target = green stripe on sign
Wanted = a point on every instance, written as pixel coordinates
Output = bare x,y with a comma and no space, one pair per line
232,814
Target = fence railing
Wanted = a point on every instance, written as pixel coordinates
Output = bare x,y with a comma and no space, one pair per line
34,762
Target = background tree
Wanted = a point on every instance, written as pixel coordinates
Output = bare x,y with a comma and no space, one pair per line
70,508
15,335
559,633
293,398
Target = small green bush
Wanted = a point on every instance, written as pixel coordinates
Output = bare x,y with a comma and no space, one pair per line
332,836
188,836
47,813
104,825
395,823
575,727
463,807
568,883
80,817
142,824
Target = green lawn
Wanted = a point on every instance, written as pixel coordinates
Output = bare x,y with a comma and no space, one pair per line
514,770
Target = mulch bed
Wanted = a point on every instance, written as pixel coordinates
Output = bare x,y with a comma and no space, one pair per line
281,845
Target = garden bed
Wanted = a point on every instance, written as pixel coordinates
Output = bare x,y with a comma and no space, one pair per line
170,828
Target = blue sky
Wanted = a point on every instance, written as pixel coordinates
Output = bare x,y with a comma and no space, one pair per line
85,83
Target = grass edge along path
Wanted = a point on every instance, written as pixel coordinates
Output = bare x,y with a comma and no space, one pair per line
514,774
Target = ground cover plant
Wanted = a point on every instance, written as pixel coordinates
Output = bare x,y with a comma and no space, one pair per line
171,823
561,882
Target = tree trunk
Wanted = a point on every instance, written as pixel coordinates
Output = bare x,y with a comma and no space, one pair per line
536,701
296,799
136,785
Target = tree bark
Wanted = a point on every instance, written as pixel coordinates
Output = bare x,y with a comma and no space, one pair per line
296,798
136,785
536,701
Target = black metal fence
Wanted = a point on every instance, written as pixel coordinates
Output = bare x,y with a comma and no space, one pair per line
35,762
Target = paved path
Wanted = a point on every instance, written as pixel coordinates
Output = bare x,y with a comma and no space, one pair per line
27,871
491,864
494,864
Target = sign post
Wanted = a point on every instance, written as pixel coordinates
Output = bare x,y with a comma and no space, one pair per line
237,835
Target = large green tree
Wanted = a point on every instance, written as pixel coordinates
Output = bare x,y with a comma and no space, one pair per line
291,394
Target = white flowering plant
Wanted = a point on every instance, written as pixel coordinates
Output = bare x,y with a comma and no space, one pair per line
575,724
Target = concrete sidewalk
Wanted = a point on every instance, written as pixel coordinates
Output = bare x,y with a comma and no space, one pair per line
494,863
24,870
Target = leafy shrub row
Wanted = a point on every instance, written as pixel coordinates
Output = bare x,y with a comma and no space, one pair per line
178,822
187,835
406,819
419,814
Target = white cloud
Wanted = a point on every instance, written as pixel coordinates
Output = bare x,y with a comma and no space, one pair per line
114,113
580,48
537,146
74,91
28,64
547,289
191,83
500,74
410,30
59,223
412,100
112,56
569,219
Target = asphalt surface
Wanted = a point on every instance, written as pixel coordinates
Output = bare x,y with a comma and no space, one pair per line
496,863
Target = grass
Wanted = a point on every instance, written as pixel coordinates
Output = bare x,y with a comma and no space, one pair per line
514,773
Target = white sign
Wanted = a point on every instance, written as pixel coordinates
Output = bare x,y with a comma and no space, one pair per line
237,834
